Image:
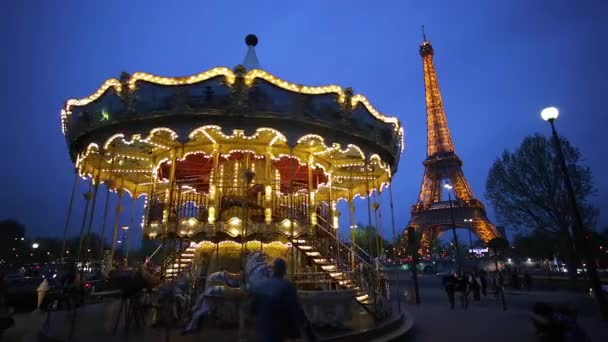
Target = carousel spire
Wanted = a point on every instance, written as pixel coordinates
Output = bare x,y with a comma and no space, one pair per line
251,59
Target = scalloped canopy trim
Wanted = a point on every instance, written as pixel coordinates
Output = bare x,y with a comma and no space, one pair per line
230,77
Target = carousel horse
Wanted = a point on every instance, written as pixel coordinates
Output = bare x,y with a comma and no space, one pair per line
222,284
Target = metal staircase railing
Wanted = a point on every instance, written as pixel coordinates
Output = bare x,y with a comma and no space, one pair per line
349,269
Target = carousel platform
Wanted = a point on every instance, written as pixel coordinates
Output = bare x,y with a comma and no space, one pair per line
97,322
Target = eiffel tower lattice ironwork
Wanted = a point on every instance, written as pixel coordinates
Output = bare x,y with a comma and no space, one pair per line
431,215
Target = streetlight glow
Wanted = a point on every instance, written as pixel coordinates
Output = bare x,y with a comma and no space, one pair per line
447,186
35,245
549,113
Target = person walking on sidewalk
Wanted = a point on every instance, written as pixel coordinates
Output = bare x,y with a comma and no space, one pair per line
449,284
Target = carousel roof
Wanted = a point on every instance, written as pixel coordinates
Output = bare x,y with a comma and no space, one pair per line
238,99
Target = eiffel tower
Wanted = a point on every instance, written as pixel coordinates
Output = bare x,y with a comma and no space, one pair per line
432,215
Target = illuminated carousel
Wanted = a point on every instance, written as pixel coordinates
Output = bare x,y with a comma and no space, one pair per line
237,161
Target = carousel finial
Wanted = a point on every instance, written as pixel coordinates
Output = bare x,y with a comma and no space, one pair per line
251,59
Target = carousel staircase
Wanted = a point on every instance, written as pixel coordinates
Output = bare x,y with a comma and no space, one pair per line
343,278
184,259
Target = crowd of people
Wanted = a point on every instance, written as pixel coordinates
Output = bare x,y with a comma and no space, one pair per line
459,286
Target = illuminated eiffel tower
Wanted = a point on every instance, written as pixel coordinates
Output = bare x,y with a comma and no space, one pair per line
431,215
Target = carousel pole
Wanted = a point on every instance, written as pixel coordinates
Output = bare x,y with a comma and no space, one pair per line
105,211
351,219
268,194
118,210
69,214
87,239
218,184
167,209
311,196
87,197
369,208
331,203
290,212
378,217
150,199
131,225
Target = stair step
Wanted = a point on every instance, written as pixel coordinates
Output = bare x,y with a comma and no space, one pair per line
329,268
297,241
313,254
188,255
305,247
321,260
362,298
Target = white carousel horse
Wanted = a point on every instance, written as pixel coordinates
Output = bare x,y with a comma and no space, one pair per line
221,284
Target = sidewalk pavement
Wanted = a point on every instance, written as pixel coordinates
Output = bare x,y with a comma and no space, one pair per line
435,322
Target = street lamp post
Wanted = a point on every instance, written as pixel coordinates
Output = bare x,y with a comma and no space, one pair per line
550,114
449,188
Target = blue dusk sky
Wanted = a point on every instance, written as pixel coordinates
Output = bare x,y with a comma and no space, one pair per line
499,63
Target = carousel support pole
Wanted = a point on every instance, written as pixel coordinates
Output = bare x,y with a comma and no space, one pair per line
105,211
377,217
116,223
353,227
69,214
91,217
131,227
369,208
268,193
290,212
351,221
168,207
178,220
149,201
311,196
215,189
87,196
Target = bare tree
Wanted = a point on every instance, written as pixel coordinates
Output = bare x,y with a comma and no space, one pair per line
526,188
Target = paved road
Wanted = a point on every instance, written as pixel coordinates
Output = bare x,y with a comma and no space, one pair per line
485,320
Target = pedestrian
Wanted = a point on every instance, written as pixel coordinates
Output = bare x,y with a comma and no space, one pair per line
484,282
6,312
474,285
528,280
449,283
515,280
462,289
276,308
